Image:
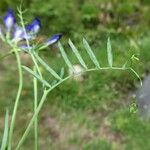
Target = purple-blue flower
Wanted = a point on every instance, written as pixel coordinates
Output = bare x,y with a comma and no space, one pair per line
53,39
9,19
18,34
34,27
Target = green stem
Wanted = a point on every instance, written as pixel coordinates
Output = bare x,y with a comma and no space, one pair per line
17,99
35,107
32,120
28,43
36,65
37,112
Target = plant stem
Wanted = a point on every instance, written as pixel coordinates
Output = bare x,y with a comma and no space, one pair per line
17,99
32,120
37,112
27,41
35,107
36,65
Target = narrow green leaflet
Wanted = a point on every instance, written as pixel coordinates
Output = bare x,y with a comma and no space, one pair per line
5,135
48,68
64,55
109,53
91,54
76,52
36,76
136,75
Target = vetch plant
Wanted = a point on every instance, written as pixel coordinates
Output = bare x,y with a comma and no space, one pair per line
13,34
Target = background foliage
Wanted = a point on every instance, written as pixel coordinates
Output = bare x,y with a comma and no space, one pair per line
93,114
78,16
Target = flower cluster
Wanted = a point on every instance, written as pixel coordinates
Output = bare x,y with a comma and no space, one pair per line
14,33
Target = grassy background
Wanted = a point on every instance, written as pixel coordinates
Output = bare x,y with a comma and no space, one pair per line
95,113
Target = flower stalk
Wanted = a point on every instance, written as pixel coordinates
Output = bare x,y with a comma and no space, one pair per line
35,107
17,99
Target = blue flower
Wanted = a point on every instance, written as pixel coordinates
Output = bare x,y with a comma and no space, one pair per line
9,19
34,27
18,34
53,39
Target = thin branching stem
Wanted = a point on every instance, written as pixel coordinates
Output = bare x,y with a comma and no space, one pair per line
45,93
36,69
17,99
32,120
27,41
35,86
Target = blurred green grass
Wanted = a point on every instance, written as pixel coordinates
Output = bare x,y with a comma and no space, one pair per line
93,114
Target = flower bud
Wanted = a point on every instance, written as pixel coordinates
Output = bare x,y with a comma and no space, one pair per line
9,19
34,27
53,39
